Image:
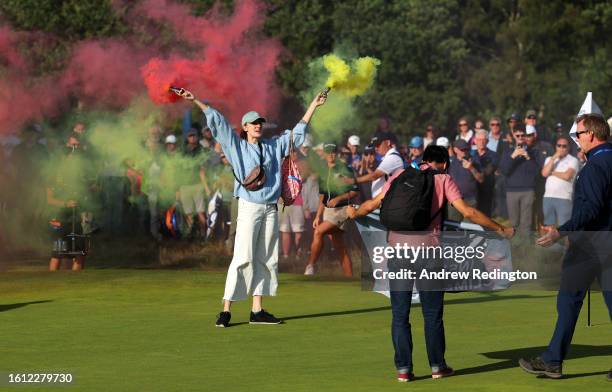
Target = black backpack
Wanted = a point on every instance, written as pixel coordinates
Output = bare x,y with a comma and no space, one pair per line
407,204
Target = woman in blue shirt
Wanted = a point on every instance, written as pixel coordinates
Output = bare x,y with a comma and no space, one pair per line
254,267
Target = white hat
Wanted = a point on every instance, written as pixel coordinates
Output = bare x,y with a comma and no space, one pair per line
588,107
530,130
307,141
170,139
442,141
354,140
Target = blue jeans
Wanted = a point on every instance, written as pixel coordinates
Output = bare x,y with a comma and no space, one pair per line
432,304
556,211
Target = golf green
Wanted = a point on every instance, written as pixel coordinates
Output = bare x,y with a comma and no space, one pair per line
153,330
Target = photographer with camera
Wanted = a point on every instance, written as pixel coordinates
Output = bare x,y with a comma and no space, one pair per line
68,193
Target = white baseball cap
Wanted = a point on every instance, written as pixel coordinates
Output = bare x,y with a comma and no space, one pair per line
442,141
530,130
354,140
170,139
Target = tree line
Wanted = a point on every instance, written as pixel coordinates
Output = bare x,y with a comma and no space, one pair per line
440,59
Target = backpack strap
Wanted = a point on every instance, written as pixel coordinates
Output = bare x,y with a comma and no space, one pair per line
403,163
400,156
291,146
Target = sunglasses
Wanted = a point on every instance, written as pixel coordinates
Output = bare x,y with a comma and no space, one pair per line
580,133
531,117
494,124
562,145
519,135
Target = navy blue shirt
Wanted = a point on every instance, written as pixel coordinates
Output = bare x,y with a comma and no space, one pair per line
464,178
592,208
489,160
521,173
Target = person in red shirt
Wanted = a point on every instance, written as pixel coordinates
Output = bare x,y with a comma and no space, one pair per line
445,190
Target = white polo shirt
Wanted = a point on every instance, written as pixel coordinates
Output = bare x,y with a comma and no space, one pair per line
391,162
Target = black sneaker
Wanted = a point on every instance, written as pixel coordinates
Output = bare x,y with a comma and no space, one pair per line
539,367
263,317
609,375
223,320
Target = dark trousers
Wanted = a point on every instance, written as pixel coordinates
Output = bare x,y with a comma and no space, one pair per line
580,268
568,309
432,304
499,206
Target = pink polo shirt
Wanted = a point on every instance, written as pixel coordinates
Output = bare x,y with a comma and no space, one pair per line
445,190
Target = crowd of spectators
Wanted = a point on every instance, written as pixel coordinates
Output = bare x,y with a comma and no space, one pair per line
182,187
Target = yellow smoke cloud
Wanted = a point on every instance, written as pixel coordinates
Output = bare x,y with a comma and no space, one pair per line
353,80
348,80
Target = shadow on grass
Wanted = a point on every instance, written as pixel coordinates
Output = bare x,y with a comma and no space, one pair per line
511,357
7,307
447,302
485,297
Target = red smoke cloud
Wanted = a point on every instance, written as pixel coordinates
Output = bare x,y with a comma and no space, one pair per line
22,98
159,81
105,73
228,63
231,66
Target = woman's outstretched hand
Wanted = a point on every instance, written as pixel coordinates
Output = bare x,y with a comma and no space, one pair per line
320,99
183,93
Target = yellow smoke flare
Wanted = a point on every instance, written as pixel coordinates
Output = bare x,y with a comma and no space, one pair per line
353,80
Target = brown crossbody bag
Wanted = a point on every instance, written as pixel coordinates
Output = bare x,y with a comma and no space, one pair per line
257,177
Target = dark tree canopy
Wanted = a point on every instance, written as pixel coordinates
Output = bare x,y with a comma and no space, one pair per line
441,59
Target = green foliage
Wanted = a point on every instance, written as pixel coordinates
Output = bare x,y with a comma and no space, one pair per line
441,59
305,28
415,40
200,7
71,19
545,55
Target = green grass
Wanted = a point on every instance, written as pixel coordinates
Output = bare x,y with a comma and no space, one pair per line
152,330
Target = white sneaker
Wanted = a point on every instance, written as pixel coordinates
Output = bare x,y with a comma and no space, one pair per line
309,269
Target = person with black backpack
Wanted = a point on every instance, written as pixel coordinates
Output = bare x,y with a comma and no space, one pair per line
414,200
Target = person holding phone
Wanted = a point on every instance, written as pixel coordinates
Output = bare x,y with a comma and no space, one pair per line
467,173
521,167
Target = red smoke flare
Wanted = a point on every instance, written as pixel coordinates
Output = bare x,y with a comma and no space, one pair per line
159,75
234,68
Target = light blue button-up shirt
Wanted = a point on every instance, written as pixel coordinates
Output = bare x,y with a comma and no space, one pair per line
244,156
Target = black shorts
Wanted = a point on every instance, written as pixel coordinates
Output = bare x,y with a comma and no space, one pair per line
62,243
